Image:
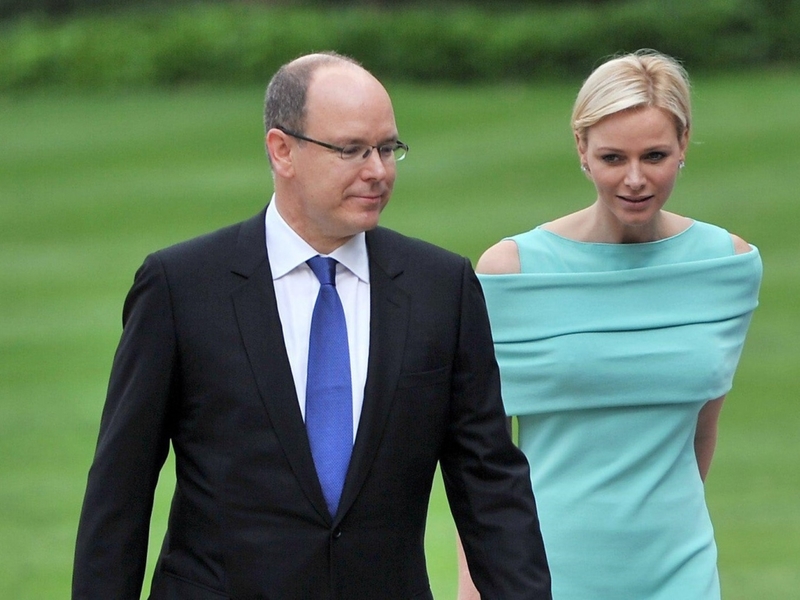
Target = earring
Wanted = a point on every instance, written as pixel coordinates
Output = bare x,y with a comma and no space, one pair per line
681,164
584,168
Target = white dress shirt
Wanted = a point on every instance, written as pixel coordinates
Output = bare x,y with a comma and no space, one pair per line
296,289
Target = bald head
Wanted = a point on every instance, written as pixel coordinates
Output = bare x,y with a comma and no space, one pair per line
286,98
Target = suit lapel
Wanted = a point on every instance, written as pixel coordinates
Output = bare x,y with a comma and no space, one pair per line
389,306
262,335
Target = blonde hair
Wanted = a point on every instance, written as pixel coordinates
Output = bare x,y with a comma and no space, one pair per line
642,78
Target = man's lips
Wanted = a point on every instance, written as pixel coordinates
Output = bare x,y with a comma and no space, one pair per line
369,198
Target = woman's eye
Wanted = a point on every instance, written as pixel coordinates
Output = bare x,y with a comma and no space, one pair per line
655,156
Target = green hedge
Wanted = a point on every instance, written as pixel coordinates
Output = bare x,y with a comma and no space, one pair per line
244,43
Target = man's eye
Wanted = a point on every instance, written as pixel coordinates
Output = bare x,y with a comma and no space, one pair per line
353,150
387,150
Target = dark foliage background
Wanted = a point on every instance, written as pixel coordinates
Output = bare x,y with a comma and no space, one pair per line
100,43
60,8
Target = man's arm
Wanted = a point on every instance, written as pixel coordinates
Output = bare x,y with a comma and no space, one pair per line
111,549
486,476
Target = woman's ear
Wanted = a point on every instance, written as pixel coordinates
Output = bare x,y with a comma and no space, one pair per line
683,142
580,145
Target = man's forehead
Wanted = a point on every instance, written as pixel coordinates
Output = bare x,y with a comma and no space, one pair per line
330,78
349,90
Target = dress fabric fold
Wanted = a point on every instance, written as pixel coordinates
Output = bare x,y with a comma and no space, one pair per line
607,352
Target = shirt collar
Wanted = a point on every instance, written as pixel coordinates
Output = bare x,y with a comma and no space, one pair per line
287,250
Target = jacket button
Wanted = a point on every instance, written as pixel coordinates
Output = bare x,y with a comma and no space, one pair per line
337,533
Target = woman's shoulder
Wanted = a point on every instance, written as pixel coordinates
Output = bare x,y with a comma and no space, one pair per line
739,245
500,259
722,236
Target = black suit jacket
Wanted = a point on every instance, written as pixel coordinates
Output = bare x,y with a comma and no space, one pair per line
202,365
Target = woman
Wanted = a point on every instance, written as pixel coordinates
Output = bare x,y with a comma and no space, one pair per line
618,329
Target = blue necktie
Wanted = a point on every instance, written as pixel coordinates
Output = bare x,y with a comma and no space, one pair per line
329,401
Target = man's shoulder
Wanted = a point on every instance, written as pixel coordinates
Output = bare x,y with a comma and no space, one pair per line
217,243
389,240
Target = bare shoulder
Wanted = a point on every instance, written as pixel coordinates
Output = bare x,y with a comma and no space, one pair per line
500,259
739,245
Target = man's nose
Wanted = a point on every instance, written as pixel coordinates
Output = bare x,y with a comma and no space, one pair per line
374,166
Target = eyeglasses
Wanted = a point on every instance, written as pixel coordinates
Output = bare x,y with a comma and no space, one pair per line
395,151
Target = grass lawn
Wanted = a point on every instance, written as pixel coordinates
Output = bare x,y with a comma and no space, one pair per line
89,184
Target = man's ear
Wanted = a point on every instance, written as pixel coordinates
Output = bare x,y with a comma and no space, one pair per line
280,153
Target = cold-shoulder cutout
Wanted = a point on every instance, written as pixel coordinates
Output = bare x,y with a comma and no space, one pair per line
500,259
739,245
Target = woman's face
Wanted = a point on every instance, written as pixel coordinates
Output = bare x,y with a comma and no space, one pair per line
633,158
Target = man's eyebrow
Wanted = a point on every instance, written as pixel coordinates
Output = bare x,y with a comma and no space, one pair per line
358,140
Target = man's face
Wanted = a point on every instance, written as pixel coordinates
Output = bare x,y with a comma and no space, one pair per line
329,199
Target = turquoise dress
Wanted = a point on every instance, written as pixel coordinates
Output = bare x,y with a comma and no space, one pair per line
607,352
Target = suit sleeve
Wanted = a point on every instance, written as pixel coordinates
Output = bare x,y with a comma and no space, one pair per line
486,476
111,549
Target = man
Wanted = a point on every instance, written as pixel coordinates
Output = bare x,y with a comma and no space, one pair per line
219,356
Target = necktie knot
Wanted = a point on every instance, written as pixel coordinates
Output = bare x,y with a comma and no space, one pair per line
324,268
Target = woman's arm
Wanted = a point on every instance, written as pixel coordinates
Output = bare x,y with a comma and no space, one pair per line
705,437
501,258
466,589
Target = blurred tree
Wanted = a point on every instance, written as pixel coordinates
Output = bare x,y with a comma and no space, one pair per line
59,8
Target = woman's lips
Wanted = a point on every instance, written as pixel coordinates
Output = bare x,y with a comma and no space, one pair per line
635,199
